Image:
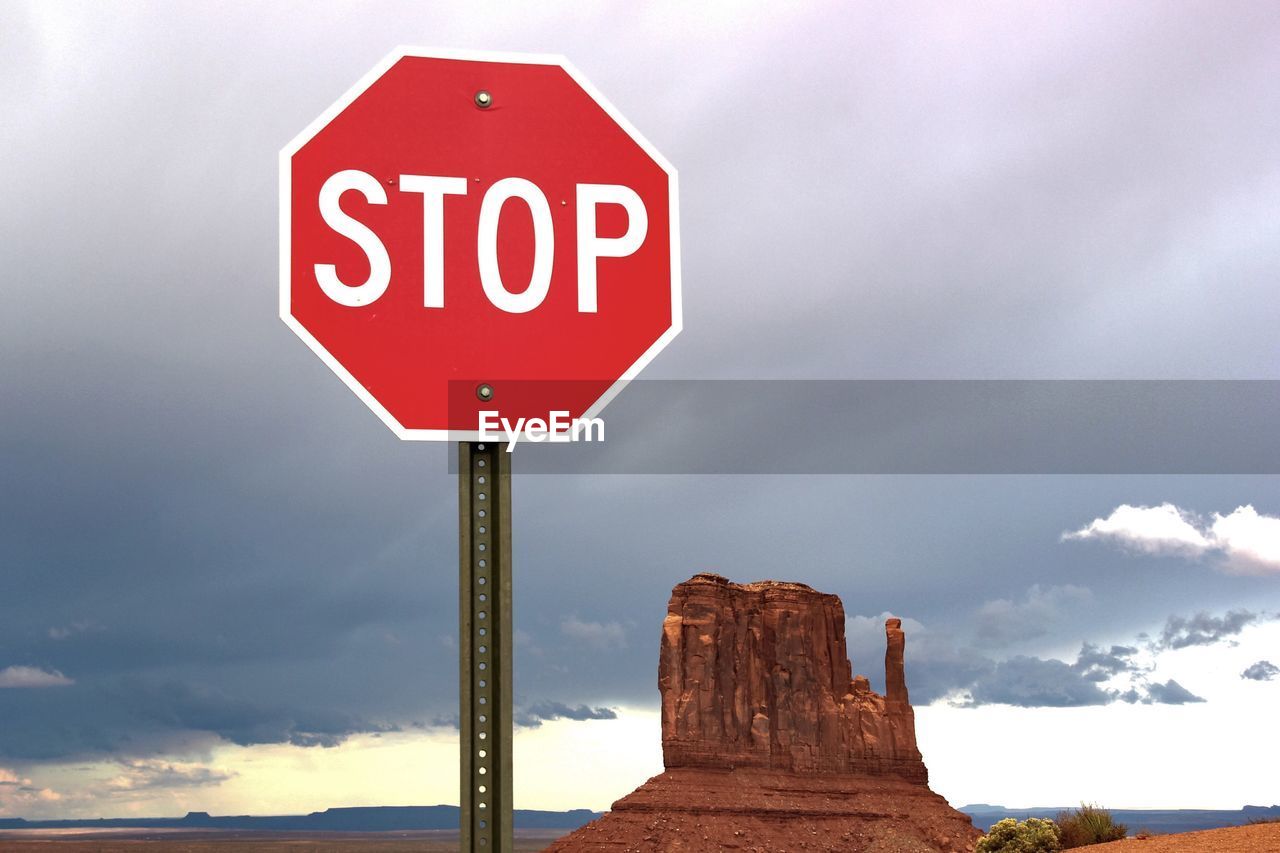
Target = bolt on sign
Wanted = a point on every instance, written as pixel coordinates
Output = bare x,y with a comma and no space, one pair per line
458,220
472,238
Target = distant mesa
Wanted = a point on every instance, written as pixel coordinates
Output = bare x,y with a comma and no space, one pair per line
349,819
1155,821
771,742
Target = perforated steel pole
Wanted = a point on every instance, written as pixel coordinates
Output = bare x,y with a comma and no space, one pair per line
484,621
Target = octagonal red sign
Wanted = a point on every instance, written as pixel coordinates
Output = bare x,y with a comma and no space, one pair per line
460,221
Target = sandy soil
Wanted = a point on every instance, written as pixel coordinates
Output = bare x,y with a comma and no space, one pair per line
1255,838
199,841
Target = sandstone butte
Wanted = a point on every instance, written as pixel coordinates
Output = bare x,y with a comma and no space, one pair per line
771,743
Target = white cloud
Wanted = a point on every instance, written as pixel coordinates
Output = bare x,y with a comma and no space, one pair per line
18,793
1250,541
140,775
30,676
1243,541
1151,529
63,632
600,635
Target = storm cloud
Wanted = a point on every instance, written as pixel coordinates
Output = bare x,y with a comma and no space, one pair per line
1097,664
1031,682
1168,693
204,537
1203,629
140,717
944,665
532,716
1004,621
1263,670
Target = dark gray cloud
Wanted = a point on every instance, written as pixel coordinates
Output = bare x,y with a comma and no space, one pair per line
937,662
939,666
1263,670
938,673
1031,682
1097,664
1203,629
138,717
1004,621
1168,693
532,716
260,561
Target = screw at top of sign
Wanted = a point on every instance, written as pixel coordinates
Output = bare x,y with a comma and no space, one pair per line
483,99
485,392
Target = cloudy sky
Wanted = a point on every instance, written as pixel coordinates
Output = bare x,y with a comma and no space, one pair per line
226,586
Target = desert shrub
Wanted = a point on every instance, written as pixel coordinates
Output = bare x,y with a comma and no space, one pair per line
1033,835
1088,825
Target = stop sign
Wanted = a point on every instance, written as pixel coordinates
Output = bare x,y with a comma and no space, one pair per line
465,232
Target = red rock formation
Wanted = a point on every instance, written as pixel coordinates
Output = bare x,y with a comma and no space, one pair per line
756,675
770,741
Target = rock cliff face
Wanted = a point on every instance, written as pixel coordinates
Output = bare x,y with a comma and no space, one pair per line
757,675
770,741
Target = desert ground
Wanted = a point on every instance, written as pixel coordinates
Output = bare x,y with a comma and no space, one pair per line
1254,838
205,841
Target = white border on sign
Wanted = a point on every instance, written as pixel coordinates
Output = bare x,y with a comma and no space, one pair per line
286,155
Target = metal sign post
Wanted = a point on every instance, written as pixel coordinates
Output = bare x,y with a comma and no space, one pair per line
433,141
484,624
